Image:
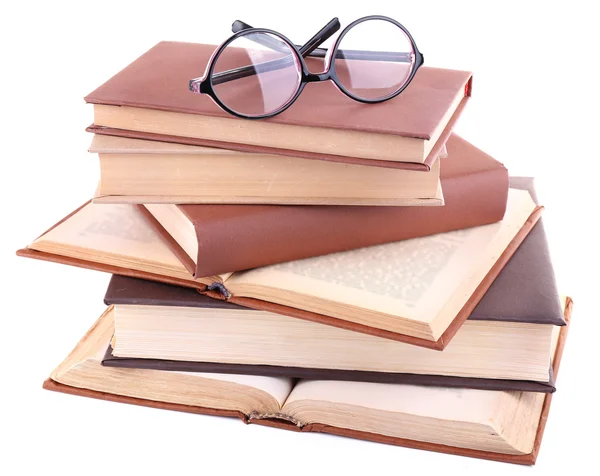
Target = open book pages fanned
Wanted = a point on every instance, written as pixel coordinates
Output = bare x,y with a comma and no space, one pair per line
143,171
501,425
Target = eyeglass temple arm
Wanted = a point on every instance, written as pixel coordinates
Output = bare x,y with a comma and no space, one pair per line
307,49
310,47
276,45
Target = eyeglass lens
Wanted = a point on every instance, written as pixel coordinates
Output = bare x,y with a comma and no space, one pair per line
374,59
256,74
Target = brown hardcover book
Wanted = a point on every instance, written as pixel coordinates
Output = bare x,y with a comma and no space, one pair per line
498,425
144,171
214,239
150,99
237,237
505,344
417,291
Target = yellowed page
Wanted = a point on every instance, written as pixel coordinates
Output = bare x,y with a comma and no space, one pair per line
414,279
282,136
246,336
480,419
90,352
437,402
120,145
112,234
104,144
238,178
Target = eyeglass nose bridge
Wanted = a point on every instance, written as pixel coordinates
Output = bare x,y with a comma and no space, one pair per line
317,77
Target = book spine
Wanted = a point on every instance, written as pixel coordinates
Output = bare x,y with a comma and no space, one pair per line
220,289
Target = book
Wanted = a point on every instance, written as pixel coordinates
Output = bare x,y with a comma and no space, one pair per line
498,425
506,343
237,237
148,101
418,291
143,171
205,237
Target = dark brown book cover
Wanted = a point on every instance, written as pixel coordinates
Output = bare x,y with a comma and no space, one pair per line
528,459
159,80
233,238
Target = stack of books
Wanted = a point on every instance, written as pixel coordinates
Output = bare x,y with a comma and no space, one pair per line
362,272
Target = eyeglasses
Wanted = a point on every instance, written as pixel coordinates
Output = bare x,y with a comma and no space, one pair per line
259,73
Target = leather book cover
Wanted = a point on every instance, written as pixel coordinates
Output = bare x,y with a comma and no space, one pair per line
159,80
528,278
528,459
237,237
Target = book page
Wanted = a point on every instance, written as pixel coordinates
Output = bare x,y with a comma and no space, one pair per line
437,402
105,144
413,279
504,422
112,234
92,348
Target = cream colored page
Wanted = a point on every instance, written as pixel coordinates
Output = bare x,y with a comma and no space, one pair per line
412,278
117,230
266,338
282,136
116,145
104,144
455,404
257,174
278,387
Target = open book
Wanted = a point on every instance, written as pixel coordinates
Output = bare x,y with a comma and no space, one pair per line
489,424
418,291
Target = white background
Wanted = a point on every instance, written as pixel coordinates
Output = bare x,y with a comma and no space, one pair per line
534,107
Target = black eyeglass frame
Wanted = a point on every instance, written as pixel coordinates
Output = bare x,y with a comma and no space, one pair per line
204,84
